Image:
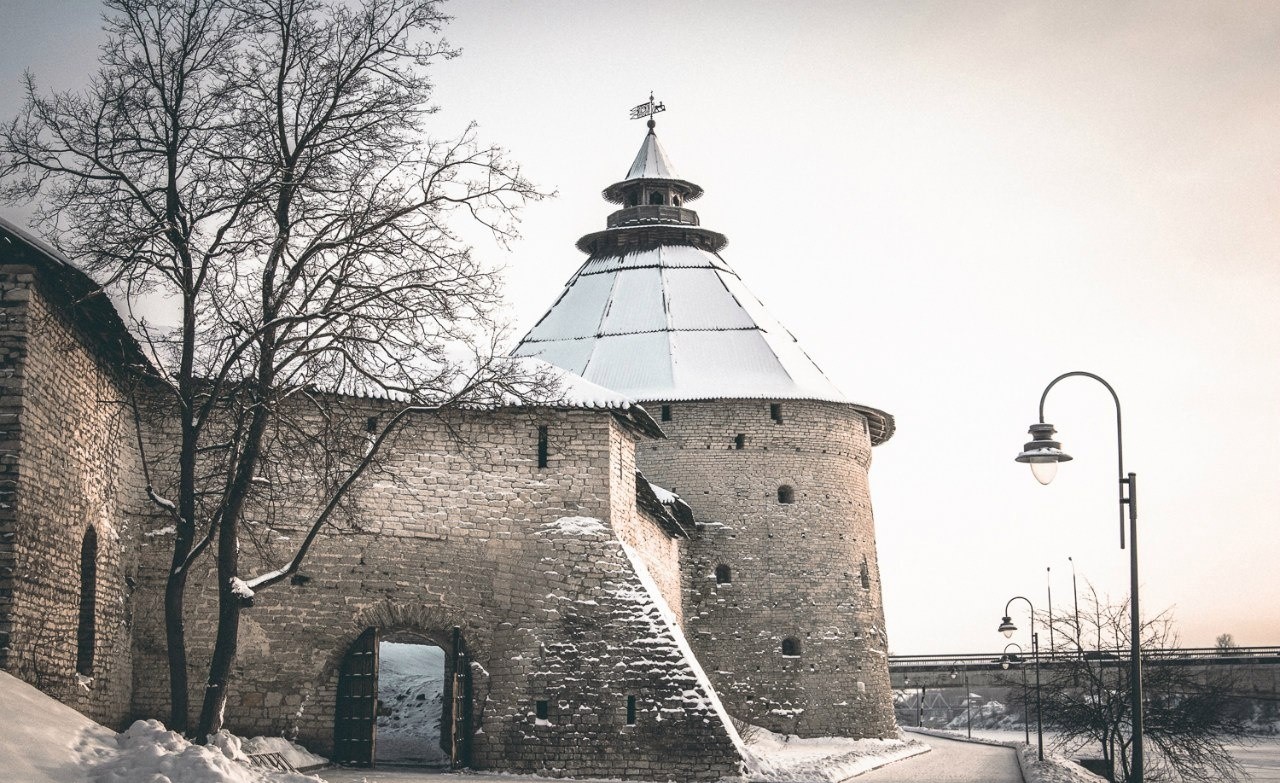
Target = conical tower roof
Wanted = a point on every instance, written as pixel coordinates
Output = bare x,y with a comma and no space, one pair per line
651,163
657,314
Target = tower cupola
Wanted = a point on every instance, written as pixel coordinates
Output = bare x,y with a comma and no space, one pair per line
654,212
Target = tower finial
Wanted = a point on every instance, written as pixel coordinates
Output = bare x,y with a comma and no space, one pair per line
648,110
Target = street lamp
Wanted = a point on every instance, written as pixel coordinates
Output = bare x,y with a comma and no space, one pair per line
1007,628
968,715
1043,455
1006,660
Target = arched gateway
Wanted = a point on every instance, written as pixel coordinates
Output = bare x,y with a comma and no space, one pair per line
360,700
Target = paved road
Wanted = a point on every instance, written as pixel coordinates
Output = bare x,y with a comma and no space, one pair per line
950,761
421,775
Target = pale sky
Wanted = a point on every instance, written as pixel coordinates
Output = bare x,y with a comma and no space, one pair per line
948,204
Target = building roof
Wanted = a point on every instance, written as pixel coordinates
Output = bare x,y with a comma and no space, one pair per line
77,294
664,507
82,299
669,320
651,163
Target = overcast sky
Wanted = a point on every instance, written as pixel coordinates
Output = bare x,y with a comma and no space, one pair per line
948,204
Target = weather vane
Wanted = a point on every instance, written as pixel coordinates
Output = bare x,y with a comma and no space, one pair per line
647,109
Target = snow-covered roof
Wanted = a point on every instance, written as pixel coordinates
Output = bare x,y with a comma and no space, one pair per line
673,323
529,381
561,388
77,294
651,161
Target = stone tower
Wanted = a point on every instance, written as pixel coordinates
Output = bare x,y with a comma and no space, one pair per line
782,601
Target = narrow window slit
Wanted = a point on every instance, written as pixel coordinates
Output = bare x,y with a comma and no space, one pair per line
542,446
631,710
775,412
86,631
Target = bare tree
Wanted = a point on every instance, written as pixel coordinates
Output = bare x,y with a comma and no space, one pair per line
1190,713
266,163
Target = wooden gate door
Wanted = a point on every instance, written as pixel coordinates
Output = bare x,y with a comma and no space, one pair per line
460,724
355,715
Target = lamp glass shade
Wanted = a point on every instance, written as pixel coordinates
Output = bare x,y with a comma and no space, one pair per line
1007,628
1043,453
1044,471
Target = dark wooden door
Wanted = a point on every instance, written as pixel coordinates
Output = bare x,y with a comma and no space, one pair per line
460,692
355,715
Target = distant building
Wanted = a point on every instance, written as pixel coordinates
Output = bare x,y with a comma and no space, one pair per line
592,623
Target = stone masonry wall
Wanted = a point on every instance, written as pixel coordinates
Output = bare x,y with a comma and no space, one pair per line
659,551
804,571
463,529
69,453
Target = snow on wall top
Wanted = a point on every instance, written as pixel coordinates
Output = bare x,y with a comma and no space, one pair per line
673,323
665,496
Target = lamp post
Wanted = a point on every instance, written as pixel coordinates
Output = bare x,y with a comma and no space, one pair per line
1043,455
1006,660
1007,628
968,716
1075,598
1048,583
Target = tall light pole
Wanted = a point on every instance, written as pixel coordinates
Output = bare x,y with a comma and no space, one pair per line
1075,598
1006,660
1048,584
1007,628
1043,454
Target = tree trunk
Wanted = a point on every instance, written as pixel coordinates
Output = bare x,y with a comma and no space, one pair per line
176,644
227,640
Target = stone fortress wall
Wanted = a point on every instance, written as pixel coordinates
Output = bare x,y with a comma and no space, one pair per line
465,530
803,571
69,480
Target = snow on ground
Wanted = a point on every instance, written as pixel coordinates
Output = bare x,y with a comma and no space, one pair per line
44,741
292,752
148,752
411,693
785,757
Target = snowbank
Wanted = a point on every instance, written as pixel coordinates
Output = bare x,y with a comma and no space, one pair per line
149,752
784,758
1055,768
45,741
292,752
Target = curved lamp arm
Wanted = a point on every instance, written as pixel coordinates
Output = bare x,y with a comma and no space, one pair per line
1119,435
